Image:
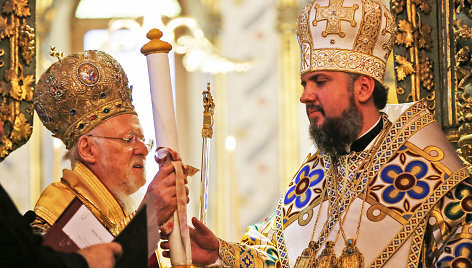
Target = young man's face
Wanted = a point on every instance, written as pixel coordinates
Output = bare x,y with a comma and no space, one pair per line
120,165
325,94
335,120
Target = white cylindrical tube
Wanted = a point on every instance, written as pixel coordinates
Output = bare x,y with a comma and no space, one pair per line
162,101
166,133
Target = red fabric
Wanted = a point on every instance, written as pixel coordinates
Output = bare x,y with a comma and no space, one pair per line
152,262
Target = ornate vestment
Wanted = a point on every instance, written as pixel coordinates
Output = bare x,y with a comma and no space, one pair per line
407,195
82,183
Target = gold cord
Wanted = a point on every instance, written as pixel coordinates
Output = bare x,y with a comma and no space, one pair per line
321,207
342,198
375,148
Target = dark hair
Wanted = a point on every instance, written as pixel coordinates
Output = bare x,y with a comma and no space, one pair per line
379,94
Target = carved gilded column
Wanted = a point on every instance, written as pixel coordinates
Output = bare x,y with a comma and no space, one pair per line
433,61
423,55
462,18
289,90
17,70
17,66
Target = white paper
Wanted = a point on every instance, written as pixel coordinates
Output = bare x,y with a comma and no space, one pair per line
85,230
162,101
165,127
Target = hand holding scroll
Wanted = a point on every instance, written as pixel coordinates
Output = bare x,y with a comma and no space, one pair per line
205,245
163,189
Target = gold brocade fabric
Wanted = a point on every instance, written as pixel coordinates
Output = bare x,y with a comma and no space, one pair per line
80,182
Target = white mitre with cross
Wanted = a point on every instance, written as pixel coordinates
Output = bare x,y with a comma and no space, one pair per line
354,36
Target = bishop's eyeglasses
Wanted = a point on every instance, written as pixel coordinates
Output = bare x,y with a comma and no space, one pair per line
130,141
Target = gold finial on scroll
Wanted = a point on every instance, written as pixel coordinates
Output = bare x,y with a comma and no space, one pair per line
155,45
55,53
208,111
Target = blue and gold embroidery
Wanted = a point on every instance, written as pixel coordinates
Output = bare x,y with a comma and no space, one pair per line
300,193
461,256
408,178
247,259
405,181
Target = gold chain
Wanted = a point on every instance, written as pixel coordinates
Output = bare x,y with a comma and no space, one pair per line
375,148
330,172
337,198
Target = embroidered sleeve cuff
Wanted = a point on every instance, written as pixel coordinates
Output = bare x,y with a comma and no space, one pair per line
227,253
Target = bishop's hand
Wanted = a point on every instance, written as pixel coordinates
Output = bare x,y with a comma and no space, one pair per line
163,190
102,255
205,244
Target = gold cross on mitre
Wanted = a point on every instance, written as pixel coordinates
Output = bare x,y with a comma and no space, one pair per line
334,13
55,53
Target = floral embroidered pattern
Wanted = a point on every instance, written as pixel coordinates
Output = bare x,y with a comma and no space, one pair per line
461,257
462,207
300,192
405,182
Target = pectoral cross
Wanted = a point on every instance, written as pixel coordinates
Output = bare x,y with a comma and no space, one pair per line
334,13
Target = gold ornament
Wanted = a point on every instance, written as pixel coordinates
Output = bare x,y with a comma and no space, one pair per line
209,108
307,258
333,14
21,129
351,257
17,67
79,92
354,38
327,258
55,53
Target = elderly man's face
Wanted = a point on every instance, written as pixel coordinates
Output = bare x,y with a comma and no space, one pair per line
120,166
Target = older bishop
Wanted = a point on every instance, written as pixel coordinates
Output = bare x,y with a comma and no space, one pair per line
84,99
379,188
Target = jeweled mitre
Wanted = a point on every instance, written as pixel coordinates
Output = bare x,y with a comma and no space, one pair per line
79,92
354,36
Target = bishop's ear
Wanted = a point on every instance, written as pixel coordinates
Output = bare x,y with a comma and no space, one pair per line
85,149
366,88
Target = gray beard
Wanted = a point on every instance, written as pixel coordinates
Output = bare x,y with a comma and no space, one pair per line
337,133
